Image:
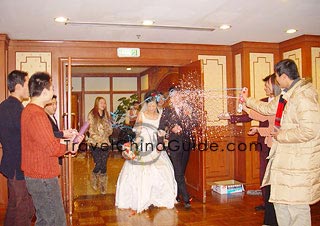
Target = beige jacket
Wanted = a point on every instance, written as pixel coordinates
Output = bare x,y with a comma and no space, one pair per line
99,131
293,169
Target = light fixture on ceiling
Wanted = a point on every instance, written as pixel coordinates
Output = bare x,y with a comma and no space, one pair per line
172,27
291,31
147,22
61,19
225,27
129,69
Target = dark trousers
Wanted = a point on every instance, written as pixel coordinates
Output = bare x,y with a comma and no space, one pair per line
100,157
264,153
179,159
20,208
269,212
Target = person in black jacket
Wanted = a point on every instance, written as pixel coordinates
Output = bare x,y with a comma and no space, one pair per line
51,109
20,209
178,122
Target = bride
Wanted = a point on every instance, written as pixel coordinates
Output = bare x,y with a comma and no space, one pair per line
146,178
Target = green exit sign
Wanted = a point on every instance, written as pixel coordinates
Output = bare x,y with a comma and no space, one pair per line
128,52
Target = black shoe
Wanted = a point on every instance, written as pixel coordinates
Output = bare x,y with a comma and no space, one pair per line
187,205
178,199
260,208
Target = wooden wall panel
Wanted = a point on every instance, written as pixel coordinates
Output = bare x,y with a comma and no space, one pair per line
238,70
219,160
145,82
247,161
32,62
315,63
238,78
256,62
261,65
215,84
305,43
3,94
296,56
3,189
3,65
240,166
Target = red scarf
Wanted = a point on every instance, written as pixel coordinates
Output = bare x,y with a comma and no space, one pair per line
282,103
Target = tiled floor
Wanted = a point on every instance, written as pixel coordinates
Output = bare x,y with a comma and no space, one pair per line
94,209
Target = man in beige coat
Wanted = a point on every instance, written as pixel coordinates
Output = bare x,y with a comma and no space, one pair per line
293,170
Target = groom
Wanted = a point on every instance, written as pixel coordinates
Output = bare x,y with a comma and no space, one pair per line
176,120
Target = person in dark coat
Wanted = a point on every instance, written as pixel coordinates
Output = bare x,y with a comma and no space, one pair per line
20,209
178,122
51,109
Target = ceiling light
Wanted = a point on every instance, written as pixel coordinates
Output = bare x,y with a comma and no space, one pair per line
61,19
147,22
291,31
128,68
225,26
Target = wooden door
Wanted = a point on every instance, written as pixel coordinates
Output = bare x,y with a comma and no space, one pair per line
75,109
3,189
66,104
192,78
168,81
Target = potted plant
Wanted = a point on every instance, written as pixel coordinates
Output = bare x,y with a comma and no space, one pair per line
122,133
123,107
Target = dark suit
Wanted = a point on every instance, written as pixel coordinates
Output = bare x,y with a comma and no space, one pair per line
56,131
180,145
269,216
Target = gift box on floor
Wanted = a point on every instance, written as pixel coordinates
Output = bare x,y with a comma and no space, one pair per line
227,198
227,186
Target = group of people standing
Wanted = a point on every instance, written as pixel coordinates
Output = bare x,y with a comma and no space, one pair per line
30,152
289,141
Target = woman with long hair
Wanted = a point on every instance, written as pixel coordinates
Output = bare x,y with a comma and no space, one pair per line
99,132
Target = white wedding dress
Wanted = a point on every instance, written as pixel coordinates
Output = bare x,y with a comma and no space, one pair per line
148,179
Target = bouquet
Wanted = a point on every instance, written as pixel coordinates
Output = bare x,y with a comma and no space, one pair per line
129,151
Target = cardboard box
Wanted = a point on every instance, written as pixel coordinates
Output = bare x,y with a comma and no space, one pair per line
227,186
228,198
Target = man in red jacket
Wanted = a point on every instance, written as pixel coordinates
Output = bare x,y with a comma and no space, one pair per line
40,152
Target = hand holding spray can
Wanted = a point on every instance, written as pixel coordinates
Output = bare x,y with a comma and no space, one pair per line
241,100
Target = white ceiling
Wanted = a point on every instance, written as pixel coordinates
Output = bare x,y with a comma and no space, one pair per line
251,20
